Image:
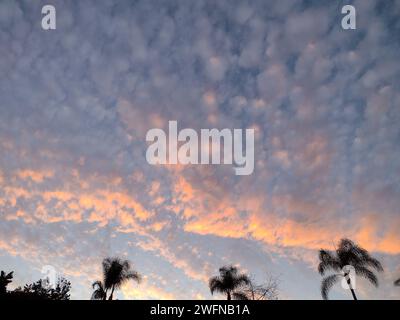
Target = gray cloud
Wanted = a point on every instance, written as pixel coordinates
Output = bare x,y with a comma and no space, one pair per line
79,100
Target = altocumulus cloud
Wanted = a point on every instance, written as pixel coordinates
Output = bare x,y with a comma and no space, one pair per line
77,102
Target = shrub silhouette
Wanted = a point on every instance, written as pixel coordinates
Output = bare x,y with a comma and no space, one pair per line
42,290
39,290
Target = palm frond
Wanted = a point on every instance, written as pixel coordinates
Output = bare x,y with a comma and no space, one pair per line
215,284
5,276
367,274
99,291
135,276
97,295
97,284
365,258
240,280
327,284
374,263
328,261
350,253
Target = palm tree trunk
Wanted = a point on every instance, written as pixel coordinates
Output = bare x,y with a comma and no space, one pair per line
112,293
353,293
105,295
228,295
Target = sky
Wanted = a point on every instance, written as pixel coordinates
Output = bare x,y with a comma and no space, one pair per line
76,103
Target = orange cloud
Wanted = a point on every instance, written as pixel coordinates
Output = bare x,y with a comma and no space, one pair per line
68,203
156,245
245,217
35,176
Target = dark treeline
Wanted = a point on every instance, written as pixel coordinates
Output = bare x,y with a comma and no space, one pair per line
347,262
39,290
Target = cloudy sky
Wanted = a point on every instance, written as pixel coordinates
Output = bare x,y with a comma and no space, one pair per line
76,103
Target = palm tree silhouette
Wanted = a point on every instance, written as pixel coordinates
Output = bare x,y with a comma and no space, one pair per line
228,281
5,279
99,292
115,273
347,254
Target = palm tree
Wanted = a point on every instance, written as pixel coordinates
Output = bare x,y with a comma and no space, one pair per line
228,281
397,282
347,254
5,279
99,292
115,273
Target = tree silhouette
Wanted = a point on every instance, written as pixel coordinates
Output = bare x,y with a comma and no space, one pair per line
42,290
5,280
99,292
229,282
115,273
264,291
347,254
